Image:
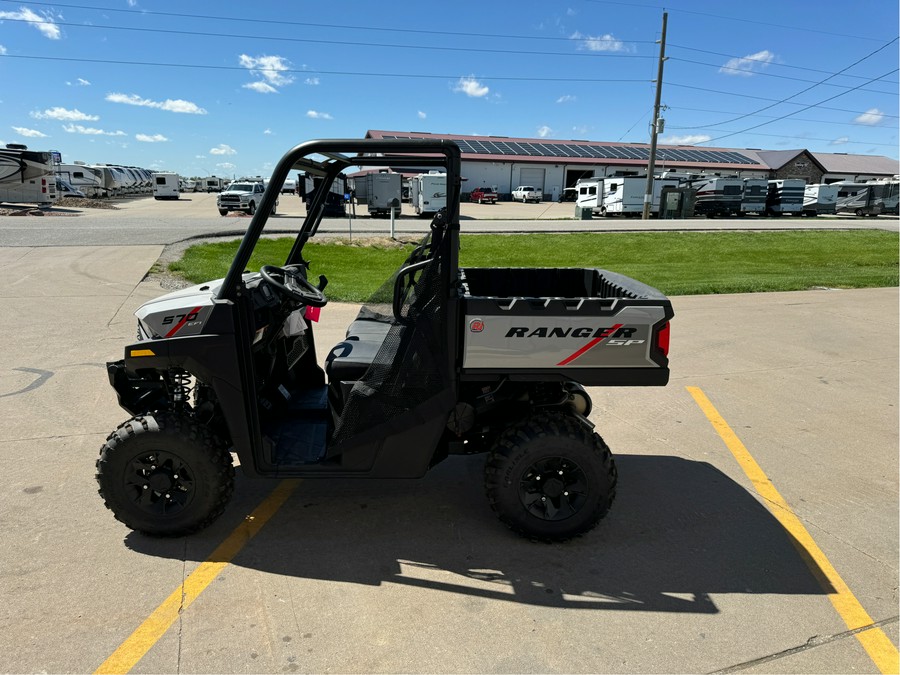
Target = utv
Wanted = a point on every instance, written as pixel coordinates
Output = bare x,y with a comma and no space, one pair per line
444,361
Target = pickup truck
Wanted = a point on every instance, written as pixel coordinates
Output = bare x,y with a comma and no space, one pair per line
527,193
483,194
241,196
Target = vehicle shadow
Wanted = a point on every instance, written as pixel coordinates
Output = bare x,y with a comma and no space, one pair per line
679,532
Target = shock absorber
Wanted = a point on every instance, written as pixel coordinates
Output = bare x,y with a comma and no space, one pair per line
179,387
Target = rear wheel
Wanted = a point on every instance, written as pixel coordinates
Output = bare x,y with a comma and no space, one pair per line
550,478
165,474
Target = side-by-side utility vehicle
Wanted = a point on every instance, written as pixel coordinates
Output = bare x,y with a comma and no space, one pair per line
445,360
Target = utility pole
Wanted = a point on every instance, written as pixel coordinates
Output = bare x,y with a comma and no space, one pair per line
655,122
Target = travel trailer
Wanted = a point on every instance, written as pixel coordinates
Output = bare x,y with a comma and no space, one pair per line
624,195
380,191
166,185
785,197
717,196
428,192
820,198
82,178
753,198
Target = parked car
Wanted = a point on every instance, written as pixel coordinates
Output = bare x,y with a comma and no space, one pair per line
483,194
65,189
527,193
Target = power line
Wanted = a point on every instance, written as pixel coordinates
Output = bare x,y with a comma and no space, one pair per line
763,98
765,74
729,112
785,100
279,22
774,64
317,71
354,43
733,133
730,18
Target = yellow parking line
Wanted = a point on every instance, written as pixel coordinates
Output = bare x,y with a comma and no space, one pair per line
876,643
154,627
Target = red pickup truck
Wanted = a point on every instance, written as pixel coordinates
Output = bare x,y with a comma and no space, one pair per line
483,194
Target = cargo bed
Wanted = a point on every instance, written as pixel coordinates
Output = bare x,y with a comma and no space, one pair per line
588,325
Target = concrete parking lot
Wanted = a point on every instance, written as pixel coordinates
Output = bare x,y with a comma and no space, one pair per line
693,570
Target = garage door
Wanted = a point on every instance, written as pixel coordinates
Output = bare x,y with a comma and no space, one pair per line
532,177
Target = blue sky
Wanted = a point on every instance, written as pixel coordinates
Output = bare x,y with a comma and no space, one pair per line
226,88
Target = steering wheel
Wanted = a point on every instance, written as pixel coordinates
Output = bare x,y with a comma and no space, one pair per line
295,285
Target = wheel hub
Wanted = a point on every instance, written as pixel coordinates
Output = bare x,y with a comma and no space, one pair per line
160,483
553,488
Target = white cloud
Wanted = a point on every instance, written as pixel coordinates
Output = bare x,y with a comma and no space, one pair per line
63,114
268,132
746,66
600,43
155,138
421,115
568,98
222,149
82,82
871,117
170,105
312,81
689,139
272,71
43,23
840,141
260,87
90,131
29,133
471,87
544,131
316,115
2,49
228,166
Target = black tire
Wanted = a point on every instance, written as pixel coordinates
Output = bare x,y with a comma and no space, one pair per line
252,208
860,213
578,472
165,474
223,212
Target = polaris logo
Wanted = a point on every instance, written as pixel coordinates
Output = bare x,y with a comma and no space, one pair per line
617,331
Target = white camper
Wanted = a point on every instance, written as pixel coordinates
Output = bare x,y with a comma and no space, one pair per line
820,198
166,185
82,178
381,191
428,192
589,194
624,195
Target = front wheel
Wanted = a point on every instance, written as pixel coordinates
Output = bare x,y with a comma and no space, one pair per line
223,212
165,474
550,478
252,208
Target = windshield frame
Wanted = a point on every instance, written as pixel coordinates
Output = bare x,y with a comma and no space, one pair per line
328,158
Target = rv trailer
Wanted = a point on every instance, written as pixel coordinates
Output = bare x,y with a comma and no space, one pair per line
26,176
717,196
379,190
860,199
785,197
589,194
428,192
82,178
819,199
753,198
166,185
624,195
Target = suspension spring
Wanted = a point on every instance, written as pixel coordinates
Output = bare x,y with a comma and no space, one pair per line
180,386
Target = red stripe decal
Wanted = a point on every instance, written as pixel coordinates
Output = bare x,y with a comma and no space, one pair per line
590,345
182,322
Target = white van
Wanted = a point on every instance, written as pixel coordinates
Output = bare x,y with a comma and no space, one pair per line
165,185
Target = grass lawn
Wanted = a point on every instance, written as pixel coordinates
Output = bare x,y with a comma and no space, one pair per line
677,263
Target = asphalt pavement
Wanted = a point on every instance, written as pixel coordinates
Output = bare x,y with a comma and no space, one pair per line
693,570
